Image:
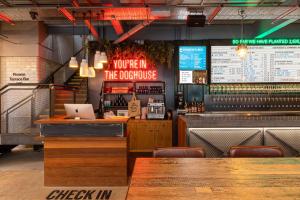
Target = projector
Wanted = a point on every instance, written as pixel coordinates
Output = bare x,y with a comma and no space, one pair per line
195,20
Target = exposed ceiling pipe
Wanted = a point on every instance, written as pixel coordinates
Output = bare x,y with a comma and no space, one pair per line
5,3
117,26
214,13
133,31
285,13
6,19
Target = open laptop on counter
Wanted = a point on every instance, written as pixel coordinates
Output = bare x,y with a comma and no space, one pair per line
80,111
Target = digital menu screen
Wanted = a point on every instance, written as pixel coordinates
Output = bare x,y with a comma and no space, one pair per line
192,60
263,64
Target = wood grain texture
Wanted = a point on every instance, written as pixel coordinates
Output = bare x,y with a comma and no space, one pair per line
85,161
61,120
227,178
146,135
182,131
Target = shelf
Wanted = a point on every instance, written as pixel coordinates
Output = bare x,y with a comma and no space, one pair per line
115,107
151,94
117,93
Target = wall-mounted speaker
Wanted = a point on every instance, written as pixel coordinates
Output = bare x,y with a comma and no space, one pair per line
196,20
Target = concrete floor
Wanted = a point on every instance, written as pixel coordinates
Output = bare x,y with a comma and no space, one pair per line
22,178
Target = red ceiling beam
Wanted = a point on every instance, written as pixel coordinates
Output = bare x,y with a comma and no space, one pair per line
214,13
117,26
89,2
75,4
133,31
6,19
67,14
91,28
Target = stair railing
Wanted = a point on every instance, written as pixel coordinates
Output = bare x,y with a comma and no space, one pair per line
48,82
32,97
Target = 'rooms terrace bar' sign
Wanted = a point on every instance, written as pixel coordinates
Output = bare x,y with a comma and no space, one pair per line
130,69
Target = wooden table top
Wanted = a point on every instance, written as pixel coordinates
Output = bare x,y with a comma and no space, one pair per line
62,120
223,178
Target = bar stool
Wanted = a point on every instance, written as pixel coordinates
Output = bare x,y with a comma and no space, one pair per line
179,152
255,152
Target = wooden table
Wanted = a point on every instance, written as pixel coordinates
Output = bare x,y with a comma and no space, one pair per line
224,178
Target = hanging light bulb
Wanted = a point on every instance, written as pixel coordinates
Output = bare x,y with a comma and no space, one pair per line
97,64
73,63
84,69
242,50
103,57
92,73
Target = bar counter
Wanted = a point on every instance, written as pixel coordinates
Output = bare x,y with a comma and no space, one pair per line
84,152
217,132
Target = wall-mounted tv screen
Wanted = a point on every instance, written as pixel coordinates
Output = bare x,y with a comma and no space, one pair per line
192,57
191,60
263,64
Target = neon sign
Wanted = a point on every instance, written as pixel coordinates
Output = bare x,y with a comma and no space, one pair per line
291,41
130,69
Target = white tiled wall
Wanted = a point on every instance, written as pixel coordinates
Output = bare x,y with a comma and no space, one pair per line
11,65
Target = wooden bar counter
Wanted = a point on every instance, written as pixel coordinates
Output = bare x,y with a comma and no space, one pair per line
84,152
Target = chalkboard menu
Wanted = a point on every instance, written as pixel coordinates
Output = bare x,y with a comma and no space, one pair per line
263,64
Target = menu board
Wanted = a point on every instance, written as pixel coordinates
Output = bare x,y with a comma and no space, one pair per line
265,64
192,58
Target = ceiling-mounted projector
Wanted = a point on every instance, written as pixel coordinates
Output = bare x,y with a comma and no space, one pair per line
196,20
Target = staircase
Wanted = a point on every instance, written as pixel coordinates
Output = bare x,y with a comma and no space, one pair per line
78,95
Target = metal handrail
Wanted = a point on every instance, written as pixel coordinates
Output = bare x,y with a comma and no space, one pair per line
47,80
51,76
34,89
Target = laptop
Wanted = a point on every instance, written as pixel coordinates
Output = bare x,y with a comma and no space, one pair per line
80,111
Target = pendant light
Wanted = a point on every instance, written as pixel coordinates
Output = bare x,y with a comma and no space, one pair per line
103,56
97,64
73,61
84,69
242,49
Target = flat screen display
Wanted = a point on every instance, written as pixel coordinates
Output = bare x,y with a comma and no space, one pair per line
192,58
263,64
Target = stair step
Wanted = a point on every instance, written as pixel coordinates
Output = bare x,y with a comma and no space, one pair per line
59,106
76,79
64,100
59,111
74,83
43,116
